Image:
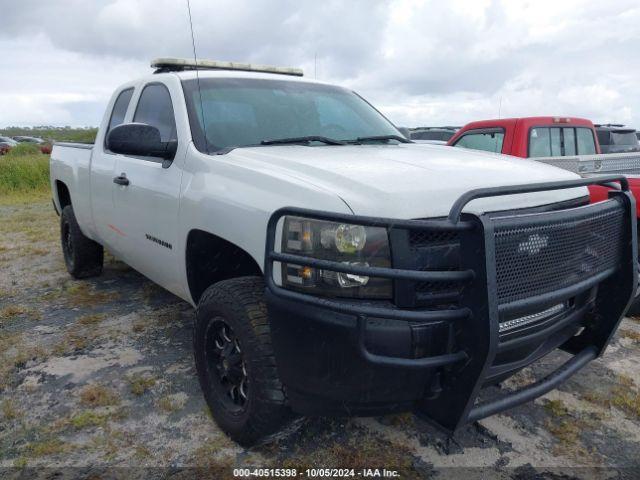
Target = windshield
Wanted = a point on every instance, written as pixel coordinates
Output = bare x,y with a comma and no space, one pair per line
239,112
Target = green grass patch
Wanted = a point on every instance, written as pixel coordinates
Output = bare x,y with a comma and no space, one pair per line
89,419
24,175
25,150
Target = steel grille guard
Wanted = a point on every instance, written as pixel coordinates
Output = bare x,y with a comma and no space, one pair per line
470,361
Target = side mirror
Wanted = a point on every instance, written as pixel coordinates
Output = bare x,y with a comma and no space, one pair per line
141,139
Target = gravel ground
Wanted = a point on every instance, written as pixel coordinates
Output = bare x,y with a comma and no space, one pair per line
99,374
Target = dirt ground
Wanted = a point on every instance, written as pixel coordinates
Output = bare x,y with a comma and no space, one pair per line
99,374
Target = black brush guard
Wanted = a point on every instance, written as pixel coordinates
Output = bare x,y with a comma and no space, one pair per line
470,362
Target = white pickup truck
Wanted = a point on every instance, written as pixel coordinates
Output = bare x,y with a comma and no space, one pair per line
337,268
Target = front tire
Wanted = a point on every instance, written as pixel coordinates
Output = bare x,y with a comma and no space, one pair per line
235,360
82,256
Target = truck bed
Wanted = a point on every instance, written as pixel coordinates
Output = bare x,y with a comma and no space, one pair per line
70,165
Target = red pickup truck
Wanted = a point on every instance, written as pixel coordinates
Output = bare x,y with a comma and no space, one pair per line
530,137
566,142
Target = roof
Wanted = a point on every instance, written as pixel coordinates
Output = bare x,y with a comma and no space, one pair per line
559,120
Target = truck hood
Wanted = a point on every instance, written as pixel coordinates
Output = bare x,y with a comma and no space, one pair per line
409,180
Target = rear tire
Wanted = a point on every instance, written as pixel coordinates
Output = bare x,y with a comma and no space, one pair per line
235,360
82,256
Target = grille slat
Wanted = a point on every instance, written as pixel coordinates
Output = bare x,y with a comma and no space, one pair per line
542,257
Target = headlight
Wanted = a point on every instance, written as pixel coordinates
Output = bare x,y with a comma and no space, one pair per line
337,242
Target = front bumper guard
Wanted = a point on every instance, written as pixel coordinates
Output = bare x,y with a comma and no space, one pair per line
476,320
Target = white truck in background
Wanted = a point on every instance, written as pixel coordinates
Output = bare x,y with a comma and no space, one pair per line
336,267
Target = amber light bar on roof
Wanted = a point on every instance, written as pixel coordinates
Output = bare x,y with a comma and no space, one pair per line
178,64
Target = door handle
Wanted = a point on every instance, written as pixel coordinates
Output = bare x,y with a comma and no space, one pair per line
121,180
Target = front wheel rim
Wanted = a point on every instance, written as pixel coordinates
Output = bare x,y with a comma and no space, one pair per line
226,365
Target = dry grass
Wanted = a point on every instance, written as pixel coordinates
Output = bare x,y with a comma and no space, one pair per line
140,384
30,230
13,311
46,448
169,404
82,294
112,442
15,353
631,334
367,453
32,251
10,411
91,319
557,408
141,452
74,341
624,396
213,460
88,418
567,427
215,467
6,293
98,396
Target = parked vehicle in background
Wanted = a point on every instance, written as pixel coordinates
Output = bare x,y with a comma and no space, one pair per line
337,267
26,139
9,141
438,135
44,145
529,137
566,142
616,138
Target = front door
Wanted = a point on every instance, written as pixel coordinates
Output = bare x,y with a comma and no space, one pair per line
147,206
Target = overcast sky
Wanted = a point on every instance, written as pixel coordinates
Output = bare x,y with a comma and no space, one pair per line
420,62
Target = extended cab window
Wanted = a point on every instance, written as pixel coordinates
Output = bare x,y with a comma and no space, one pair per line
120,108
539,142
155,109
569,140
586,142
487,140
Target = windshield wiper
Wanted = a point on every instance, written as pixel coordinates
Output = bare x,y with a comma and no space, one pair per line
382,138
307,139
